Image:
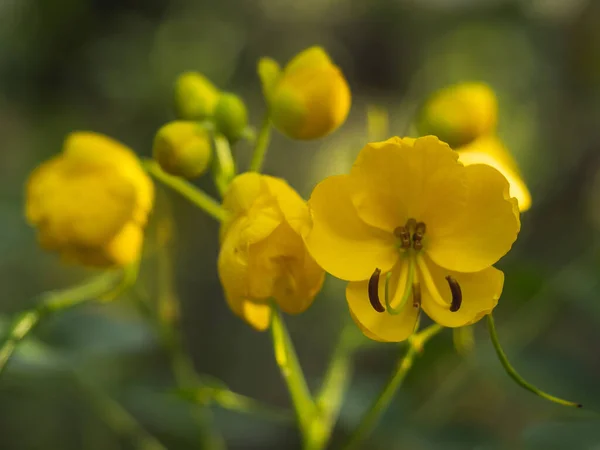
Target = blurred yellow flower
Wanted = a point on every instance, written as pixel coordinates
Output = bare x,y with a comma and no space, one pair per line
490,150
262,255
411,227
310,98
182,148
460,113
90,203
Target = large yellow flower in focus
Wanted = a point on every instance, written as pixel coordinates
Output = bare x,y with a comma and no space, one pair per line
310,98
90,203
262,255
412,220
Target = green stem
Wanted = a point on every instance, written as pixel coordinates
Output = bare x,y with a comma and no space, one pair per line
262,144
286,358
118,418
198,197
513,373
26,321
224,165
329,399
405,363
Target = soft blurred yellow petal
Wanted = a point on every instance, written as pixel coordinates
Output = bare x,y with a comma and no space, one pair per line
269,72
490,150
313,58
400,179
480,293
339,241
381,326
293,207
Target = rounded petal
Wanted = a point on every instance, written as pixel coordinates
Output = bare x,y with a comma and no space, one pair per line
381,326
480,293
490,150
339,241
292,206
400,179
487,228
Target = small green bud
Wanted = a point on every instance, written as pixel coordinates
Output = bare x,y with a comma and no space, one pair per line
231,116
183,149
195,96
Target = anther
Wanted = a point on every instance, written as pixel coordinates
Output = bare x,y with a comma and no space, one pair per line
420,229
374,291
416,292
456,293
404,235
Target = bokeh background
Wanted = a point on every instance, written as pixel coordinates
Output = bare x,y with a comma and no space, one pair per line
109,66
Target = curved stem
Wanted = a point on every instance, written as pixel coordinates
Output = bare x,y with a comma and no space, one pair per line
262,144
26,321
416,343
513,373
224,165
286,358
198,197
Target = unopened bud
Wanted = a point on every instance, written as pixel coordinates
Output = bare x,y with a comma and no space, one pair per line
195,96
231,116
182,148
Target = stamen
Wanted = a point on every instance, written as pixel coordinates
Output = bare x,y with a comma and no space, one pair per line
456,293
406,278
411,224
430,284
374,291
416,295
420,229
404,235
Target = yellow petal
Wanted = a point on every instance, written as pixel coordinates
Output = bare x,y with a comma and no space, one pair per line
292,206
339,241
400,179
490,150
487,228
311,58
269,73
480,293
381,326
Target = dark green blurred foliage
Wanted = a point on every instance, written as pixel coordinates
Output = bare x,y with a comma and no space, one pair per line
110,66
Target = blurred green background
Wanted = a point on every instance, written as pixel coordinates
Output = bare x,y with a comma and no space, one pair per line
109,66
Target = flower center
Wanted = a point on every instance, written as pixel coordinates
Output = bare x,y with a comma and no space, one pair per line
411,235
412,267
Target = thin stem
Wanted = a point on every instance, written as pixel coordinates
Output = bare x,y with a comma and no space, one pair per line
286,358
26,321
405,363
224,165
336,381
198,197
262,144
513,373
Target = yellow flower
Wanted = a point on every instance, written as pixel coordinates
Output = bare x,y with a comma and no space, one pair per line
460,113
410,218
310,98
262,253
490,150
91,202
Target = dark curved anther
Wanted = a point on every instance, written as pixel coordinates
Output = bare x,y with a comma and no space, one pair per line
456,293
374,291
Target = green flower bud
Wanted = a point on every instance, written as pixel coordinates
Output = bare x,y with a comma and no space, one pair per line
195,96
183,149
231,116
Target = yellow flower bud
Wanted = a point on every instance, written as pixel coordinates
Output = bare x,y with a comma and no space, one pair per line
90,204
489,150
182,148
310,98
231,116
460,113
195,96
263,255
